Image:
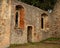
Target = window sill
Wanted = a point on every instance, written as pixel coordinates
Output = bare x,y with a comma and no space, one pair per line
45,30
16,28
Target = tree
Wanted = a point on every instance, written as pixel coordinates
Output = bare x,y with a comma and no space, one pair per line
43,4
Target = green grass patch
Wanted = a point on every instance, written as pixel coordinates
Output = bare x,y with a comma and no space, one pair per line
26,44
34,43
53,39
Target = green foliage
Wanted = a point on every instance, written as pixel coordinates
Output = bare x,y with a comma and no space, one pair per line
51,39
43,4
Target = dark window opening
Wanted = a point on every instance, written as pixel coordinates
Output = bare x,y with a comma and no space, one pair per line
42,23
16,21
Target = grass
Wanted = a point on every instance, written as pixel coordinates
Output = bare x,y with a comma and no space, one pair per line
36,44
26,44
53,39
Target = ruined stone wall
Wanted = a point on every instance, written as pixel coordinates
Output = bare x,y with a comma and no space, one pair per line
56,20
5,17
18,36
32,18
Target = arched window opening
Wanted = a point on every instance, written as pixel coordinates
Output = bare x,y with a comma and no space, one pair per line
44,21
19,18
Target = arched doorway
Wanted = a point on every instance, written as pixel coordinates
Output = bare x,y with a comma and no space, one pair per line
29,33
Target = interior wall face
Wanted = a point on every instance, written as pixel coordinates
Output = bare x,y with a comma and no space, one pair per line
18,34
32,17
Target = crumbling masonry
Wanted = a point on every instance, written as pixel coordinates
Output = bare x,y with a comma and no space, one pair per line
21,23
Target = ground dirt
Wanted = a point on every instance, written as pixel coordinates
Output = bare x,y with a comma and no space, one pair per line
37,45
48,43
